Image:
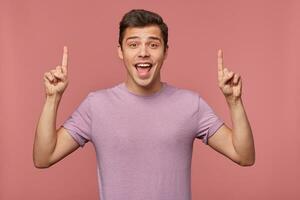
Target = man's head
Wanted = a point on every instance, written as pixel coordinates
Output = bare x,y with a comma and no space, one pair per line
143,47
142,18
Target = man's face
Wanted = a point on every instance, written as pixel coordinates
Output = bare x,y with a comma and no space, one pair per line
143,55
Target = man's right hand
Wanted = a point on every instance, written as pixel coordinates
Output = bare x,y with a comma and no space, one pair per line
52,145
56,80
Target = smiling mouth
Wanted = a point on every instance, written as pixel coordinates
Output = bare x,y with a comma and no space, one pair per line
141,67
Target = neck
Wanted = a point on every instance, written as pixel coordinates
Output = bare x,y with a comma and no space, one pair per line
144,90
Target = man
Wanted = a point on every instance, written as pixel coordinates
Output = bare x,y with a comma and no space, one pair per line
143,129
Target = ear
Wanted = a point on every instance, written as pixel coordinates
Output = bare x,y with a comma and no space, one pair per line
166,53
120,52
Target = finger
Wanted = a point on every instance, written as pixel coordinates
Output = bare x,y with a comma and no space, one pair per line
236,78
239,84
58,74
225,71
46,81
220,63
53,72
64,63
223,78
230,74
49,76
228,77
59,68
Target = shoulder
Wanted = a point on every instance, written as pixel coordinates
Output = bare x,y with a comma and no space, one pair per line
184,92
101,95
185,96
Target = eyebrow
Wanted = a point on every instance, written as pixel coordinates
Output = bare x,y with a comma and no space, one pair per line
151,37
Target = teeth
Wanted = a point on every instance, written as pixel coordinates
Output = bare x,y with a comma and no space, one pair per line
143,65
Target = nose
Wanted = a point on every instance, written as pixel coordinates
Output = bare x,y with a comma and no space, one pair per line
143,52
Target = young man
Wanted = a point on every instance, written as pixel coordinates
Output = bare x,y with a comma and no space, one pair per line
143,129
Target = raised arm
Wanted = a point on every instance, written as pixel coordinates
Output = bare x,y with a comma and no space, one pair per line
51,145
236,143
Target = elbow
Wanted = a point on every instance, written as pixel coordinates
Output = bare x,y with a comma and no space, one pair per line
40,164
247,162
247,159
40,161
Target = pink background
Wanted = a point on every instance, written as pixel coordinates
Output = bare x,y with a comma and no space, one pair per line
260,40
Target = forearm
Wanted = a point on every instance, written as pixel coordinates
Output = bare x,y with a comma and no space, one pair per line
45,136
242,137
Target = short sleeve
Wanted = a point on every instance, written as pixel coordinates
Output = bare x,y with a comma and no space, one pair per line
208,121
79,122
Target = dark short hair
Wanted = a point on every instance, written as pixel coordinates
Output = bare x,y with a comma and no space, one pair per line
142,18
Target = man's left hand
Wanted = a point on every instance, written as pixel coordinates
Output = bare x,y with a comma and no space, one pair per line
230,83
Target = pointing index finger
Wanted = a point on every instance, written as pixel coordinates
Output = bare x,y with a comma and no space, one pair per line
65,58
220,62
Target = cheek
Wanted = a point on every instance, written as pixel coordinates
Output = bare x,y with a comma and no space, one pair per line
160,58
158,54
129,56
128,61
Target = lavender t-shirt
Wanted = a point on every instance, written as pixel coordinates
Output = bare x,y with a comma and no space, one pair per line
143,144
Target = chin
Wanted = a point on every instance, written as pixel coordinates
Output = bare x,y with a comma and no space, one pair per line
144,83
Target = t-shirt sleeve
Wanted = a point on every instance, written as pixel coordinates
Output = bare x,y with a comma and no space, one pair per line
208,121
78,123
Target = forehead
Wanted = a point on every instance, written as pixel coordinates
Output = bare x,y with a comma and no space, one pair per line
143,32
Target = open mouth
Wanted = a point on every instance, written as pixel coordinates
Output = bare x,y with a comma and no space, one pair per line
143,67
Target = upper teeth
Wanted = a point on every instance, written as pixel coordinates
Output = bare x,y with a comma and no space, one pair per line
144,65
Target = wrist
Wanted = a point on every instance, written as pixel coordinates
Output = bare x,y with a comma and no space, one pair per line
233,102
55,98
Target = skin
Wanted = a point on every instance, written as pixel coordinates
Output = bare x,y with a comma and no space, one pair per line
140,45
51,145
237,143
143,45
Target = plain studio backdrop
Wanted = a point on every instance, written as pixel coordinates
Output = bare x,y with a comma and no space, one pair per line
260,40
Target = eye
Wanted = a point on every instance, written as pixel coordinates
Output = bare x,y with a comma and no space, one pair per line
133,45
154,45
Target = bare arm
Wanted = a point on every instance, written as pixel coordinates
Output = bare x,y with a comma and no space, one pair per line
51,145
236,143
